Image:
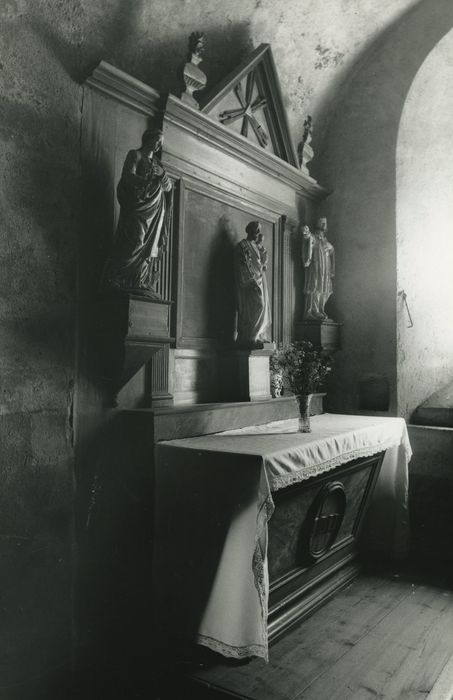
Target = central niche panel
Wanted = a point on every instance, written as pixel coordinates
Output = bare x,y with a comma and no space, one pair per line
212,225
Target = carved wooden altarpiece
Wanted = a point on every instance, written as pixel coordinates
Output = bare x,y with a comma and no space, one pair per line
231,162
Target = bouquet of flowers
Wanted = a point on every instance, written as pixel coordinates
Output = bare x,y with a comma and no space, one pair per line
304,367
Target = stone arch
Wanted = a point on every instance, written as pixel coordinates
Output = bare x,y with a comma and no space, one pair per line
424,237
358,161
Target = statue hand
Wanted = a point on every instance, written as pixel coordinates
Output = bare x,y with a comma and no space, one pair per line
156,169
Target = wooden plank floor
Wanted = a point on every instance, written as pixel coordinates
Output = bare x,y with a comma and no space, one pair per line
386,637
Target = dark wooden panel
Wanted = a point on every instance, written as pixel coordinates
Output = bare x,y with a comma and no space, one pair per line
303,574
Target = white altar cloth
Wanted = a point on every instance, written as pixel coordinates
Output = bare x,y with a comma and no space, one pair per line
223,487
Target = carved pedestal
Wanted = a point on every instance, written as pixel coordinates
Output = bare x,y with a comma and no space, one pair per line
129,331
322,334
244,374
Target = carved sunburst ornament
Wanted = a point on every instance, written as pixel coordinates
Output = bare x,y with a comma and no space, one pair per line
246,111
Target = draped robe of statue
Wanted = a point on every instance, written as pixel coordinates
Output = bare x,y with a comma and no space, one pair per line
252,293
319,263
143,194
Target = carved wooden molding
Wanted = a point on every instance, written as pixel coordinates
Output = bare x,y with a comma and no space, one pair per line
219,137
133,93
115,83
287,289
258,68
178,165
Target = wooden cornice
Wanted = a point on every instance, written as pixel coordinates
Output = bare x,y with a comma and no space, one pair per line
214,133
122,87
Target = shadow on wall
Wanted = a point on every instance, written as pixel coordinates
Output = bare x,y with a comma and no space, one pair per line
79,57
221,294
358,160
42,183
114,513
153,58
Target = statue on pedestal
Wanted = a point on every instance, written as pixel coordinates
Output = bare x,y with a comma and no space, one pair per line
250,264
144,194
194,77
318,257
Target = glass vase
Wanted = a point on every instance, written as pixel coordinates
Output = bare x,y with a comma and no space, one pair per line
303,402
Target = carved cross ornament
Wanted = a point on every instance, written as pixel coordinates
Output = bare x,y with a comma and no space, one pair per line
246,111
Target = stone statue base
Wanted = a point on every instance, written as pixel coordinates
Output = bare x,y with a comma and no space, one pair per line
245,373
322,334
129,330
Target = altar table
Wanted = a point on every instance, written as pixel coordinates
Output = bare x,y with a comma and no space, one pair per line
213,504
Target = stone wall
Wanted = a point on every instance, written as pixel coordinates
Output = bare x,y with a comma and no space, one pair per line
431,493
358,160
424,209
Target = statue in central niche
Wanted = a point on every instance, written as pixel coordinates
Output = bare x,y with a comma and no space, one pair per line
318,257
144,195
250,262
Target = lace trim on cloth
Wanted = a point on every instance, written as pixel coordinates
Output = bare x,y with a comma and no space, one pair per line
259,567
259,564
279,482
232,651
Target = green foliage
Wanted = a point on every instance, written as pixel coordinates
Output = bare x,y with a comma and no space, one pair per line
304,367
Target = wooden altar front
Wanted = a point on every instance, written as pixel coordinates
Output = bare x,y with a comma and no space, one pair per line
314,540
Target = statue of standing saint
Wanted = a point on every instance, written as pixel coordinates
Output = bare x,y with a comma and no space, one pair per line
144,194
318,257
250,264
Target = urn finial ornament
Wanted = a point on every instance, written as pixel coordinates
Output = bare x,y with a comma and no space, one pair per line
194,78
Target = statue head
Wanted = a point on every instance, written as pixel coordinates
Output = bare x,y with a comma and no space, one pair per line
321,224
253,230
196,46
152,141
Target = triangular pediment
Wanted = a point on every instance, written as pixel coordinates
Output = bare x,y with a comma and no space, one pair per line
249,101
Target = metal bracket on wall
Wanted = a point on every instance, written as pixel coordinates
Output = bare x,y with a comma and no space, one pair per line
403,294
